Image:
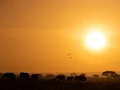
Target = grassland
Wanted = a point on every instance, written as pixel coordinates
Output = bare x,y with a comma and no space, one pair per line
52,85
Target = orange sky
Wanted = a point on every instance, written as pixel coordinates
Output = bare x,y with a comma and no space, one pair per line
36,35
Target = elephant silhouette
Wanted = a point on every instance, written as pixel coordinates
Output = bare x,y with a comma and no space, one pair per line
34,77
8,76
24,76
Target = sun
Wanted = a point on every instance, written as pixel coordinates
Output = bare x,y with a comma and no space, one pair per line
96,40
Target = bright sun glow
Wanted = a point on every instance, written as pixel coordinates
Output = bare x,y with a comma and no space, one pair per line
95,40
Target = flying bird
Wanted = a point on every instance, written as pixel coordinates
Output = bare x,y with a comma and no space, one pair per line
69,55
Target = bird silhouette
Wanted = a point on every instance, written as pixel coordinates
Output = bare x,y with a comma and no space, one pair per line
69,55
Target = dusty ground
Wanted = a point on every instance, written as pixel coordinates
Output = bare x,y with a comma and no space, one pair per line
50,85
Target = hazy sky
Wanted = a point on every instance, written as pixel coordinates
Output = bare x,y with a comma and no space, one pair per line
36,35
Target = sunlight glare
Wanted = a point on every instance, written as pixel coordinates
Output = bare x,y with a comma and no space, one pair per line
95,40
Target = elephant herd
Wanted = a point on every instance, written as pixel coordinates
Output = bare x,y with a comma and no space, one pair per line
26,76
70,78
22,76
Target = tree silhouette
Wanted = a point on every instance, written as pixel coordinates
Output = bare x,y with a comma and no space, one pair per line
110,74
73,74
